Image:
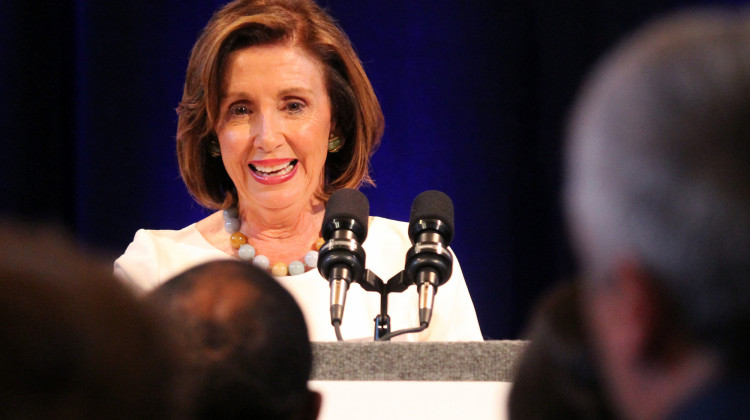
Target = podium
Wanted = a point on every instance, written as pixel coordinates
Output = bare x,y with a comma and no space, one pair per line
403,380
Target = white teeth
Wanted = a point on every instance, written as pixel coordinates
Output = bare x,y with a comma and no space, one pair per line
285,170
276,170
271,168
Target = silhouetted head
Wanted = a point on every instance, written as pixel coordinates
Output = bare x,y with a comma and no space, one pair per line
74,343
247,340
557,376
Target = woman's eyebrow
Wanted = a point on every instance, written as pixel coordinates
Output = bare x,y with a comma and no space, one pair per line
296,90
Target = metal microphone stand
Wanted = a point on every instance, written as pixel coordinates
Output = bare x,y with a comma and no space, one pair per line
396,284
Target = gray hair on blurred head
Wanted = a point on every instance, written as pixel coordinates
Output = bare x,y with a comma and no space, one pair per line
658,167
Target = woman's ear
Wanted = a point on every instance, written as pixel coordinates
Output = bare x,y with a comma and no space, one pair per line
334,127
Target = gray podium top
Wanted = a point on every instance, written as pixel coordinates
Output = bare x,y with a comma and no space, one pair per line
403,361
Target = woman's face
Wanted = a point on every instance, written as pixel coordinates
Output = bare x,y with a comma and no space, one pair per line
273,126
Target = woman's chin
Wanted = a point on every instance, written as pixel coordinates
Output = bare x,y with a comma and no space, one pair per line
277,199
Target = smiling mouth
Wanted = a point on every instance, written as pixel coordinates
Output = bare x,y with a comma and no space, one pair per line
275,170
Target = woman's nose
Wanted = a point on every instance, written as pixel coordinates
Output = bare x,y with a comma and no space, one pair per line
267,133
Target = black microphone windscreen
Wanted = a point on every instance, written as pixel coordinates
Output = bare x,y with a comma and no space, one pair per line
348,203
432,204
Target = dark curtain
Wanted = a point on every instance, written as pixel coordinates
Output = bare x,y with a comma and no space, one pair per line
475,95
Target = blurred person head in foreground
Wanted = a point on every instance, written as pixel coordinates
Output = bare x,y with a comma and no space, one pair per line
246,339
658,200
74,343
557,376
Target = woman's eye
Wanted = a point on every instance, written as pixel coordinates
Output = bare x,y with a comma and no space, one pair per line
295,107
239,110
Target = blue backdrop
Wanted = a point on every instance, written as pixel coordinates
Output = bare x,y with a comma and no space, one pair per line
474,93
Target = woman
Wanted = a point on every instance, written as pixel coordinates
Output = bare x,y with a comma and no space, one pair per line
277,113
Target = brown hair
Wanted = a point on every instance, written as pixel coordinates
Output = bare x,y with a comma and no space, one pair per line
356,114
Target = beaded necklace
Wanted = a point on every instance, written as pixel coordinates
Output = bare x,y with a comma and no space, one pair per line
246,252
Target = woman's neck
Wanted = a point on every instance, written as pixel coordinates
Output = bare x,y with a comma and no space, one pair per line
281,224
282,236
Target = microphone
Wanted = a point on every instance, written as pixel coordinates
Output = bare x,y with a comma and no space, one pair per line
341,259
429,263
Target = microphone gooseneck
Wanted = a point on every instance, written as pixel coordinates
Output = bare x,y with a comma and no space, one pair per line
429,263
341,259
